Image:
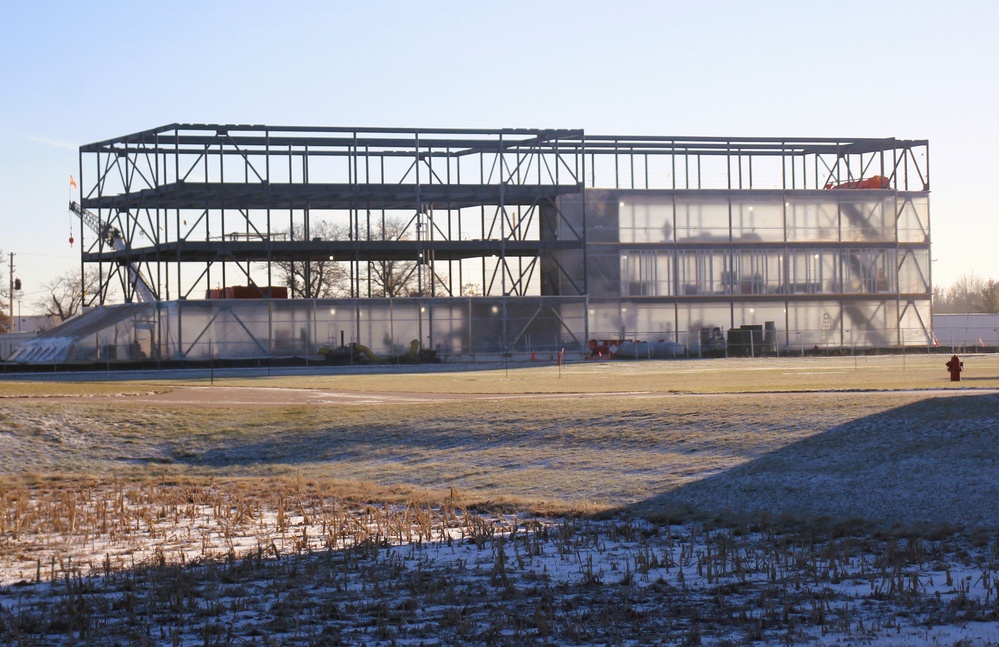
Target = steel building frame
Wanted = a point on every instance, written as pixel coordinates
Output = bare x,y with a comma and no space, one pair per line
235,200
735,172
512,212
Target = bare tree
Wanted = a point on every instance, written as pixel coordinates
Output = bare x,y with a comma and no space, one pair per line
990,296
965,294
317,279
324,279
394,278
969,294
940,299
65,294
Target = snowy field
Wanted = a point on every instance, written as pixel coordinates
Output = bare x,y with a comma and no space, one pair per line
345,514
139,565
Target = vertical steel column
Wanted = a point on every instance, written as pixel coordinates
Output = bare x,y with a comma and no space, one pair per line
222,209
672,162
267,214
617,175
208,219
502,210
309,288
580,163
419,233
161,224
83,283
631,165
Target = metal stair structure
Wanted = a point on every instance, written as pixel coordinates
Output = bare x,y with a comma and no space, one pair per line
59,345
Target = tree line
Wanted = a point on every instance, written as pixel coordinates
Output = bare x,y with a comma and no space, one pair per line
969,293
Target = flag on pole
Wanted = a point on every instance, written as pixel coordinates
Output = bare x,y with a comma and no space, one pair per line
72,181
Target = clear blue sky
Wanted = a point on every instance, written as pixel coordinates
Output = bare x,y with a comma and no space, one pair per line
76,72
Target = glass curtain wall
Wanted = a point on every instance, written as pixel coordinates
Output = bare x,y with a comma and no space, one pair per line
827,268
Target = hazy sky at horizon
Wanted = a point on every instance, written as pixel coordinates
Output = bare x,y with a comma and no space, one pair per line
76,72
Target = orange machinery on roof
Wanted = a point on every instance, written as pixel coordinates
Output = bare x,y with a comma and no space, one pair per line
873,182
247,292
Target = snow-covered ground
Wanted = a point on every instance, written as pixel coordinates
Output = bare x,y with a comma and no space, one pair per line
133,564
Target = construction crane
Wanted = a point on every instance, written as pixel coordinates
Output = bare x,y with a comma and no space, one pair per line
113,237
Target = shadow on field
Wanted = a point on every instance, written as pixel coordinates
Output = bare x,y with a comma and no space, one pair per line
290,449
932,463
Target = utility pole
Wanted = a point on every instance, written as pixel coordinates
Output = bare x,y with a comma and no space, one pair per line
10,293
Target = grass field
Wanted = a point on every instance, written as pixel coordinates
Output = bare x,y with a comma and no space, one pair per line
879,449
860,372
607,434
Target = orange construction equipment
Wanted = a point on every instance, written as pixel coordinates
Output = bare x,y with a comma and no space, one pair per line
602,347
873,182
247,292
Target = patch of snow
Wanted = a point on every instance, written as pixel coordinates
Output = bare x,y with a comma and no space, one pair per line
408,575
